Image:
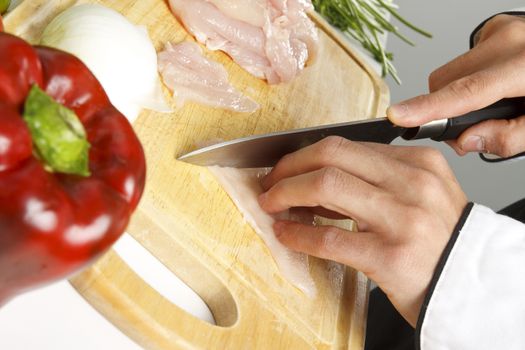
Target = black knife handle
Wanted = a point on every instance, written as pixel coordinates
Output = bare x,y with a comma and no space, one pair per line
508,108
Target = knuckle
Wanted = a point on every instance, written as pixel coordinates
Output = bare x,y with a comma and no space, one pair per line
427,184
380,198
434,78
467,86
431,154
330,147
285,159
496,22
505,140
416,220
505,145
329,180
432,158
332,241
512,29
282,163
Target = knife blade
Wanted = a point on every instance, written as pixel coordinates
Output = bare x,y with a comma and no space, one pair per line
266,150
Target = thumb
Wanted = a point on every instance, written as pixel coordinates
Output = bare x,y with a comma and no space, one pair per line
461,96
504,138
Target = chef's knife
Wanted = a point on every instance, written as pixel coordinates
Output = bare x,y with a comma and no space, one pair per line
266,150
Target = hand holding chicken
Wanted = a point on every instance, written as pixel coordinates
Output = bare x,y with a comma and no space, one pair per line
405,200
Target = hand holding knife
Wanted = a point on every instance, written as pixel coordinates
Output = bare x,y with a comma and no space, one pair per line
266,150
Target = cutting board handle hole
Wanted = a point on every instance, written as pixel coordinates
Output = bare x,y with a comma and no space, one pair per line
204,297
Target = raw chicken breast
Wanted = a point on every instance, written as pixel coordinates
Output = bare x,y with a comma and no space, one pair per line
243,187
250,11
193,77
271,39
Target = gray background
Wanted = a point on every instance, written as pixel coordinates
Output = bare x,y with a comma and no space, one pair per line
451,22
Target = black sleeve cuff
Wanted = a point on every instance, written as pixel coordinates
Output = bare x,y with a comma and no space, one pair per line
439,268
485,158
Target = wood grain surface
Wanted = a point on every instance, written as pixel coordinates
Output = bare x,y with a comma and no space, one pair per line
189,223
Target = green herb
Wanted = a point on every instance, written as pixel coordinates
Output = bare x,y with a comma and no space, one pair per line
4,5
365,20
58,135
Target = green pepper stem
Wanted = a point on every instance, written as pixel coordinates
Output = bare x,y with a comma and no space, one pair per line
59,138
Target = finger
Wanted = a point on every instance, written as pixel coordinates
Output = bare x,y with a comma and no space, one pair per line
504,138
457,98
496,24
330,188
485,55
359,250
351,157
466,64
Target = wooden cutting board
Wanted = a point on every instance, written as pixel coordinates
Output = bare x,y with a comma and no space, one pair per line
189,223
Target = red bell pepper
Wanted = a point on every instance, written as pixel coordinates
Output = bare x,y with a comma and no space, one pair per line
71,167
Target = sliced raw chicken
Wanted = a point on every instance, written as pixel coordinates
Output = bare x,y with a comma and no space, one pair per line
250,11
271,39
193,77
243,187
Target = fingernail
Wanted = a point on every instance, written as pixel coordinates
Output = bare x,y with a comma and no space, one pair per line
398,111
473,144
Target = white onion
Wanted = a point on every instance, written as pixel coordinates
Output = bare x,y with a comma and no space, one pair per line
119,53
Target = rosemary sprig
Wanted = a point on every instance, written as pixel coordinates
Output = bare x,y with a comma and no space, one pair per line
365,20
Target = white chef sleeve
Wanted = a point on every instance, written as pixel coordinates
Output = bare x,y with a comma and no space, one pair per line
476,299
